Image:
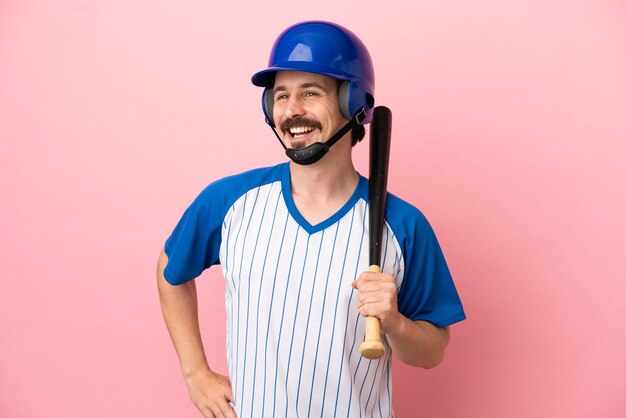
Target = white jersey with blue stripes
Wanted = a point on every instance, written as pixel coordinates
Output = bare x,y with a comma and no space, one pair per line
293,328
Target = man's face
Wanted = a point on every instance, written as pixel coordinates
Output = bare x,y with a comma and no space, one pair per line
306,109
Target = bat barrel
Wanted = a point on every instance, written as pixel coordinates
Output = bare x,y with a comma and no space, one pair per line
380,141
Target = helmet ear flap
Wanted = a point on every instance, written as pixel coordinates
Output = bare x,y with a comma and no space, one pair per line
268,105
343,96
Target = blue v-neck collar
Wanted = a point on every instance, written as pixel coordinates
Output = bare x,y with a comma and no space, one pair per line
359,191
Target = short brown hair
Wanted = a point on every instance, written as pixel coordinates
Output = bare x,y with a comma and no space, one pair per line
358,133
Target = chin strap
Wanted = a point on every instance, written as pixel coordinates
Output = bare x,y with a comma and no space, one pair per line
314,152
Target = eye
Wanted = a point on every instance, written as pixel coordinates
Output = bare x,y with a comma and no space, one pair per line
280,97
311,94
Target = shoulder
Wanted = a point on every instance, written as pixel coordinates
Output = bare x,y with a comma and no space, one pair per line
409,226
400,213
228,189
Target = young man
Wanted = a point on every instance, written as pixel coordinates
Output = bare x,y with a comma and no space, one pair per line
293,243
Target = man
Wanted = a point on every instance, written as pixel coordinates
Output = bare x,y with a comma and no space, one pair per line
292,241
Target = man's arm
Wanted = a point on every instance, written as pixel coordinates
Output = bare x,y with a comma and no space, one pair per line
209,391
417,343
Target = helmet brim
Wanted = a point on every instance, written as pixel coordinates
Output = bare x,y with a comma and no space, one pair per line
265,78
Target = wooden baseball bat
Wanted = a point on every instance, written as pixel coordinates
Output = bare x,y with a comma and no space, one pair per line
380,143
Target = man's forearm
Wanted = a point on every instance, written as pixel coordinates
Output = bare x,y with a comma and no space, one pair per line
179,305
418,343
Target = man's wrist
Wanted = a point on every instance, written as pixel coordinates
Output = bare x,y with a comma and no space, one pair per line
191,372
397,326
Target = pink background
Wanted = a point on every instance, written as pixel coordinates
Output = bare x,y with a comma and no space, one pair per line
509,132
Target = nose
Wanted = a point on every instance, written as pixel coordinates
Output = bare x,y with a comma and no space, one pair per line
294,107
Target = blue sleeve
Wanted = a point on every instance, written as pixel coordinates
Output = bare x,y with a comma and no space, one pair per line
427,291
195,242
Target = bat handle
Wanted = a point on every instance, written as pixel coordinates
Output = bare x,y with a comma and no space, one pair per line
372,348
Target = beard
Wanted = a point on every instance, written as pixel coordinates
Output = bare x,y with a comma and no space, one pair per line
298,144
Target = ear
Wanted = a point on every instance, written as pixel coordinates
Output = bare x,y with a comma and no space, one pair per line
343,97
268,105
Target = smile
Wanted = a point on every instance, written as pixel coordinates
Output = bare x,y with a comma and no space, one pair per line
298,132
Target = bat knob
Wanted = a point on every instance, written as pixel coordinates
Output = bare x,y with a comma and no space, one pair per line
372,349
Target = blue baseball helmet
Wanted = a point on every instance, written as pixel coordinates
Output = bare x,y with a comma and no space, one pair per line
328,49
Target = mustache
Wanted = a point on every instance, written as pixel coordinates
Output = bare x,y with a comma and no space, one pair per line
300,121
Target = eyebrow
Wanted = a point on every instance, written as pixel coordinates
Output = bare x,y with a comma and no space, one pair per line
302,86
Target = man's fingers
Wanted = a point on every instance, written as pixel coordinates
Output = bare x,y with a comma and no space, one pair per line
212,394
207,413
375,287
373,308
377,297
368,278
227,411
377,301
219,409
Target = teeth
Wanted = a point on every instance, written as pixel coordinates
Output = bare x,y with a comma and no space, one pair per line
300,130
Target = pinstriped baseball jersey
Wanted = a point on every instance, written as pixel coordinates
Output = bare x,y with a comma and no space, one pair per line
293,328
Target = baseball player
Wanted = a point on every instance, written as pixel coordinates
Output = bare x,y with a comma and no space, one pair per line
292,241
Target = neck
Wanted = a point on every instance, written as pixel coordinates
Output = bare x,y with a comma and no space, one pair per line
332,176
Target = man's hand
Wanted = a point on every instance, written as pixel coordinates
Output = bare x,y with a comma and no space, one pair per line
417,343
211,393
378,296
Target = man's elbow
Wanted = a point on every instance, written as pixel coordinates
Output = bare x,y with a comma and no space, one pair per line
429,361
433,361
